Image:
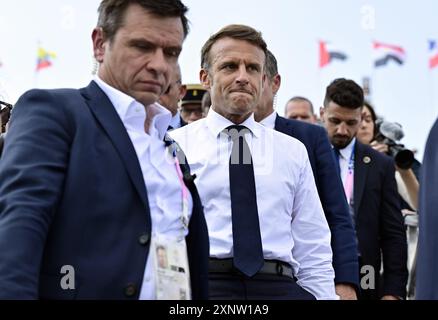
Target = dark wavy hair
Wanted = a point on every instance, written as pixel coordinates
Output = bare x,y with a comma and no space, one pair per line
344,92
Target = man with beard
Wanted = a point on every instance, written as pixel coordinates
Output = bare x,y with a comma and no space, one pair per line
371,191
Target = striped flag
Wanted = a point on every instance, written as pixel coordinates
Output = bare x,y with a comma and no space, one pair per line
44,59
387,52
327,53
433,54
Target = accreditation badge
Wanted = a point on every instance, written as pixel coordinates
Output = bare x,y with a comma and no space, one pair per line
171,268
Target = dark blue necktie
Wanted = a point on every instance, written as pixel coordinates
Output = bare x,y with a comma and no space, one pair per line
247,242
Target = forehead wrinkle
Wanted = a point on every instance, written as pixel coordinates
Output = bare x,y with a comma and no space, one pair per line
233,54
154,39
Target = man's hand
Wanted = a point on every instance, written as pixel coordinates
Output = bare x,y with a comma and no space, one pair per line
381,147
346,291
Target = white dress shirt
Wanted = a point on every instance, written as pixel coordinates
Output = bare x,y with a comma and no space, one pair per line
269,121
292,223
159,173
175,122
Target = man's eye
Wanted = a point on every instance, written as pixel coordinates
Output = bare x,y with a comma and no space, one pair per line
143,47
229,67
172,52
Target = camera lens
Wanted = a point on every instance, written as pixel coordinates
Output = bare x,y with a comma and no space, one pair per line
404,159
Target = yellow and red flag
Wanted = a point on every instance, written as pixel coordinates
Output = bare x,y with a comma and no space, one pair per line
44,59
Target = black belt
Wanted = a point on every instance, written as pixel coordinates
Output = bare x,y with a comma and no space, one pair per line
274,267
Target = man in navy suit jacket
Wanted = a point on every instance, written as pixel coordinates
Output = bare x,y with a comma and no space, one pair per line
73,197
329,186
371,190
427,279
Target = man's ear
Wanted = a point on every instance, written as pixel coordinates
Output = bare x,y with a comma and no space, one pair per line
99,44
182,91
276,83
204,78
321,113
264,81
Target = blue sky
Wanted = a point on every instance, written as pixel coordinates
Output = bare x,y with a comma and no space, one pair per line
407,94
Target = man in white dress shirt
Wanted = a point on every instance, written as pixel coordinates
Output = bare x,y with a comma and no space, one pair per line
87,192
276,206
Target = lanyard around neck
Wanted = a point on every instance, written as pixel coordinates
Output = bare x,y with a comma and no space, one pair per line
185,192
349,180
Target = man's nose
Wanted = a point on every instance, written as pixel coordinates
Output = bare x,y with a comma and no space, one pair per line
158,62
342,129
242,76
195,115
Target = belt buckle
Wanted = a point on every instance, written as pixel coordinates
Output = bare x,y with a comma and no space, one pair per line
279,269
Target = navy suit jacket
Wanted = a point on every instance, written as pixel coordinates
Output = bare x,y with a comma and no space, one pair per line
427,265
332,196
73,193
379,222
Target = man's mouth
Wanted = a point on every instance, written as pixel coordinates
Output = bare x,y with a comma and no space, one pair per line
241,91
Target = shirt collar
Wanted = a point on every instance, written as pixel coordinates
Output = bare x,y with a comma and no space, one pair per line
269,121
125,106
176,121
346,152
217,123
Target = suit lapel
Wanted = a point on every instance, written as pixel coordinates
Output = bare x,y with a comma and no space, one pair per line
281,125
107,116
360,173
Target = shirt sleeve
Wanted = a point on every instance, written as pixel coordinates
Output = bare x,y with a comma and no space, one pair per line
311,236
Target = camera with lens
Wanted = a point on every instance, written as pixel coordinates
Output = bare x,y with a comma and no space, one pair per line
389,133
5,114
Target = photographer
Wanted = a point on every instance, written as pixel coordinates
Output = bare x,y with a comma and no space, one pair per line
383,136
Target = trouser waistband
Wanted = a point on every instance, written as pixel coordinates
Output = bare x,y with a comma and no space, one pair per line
273,267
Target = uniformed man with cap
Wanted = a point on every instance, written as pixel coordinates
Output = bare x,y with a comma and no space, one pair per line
191,105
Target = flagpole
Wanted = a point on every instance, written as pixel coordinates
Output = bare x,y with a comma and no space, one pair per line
372,75
432,67
35,79
320,89
35,75
320,84
432,94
